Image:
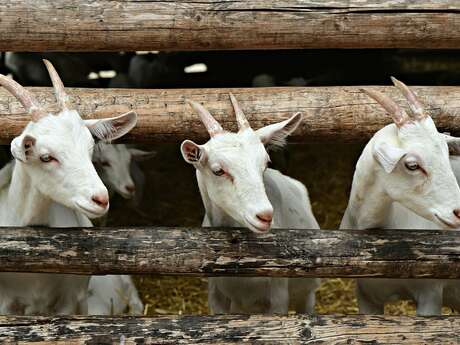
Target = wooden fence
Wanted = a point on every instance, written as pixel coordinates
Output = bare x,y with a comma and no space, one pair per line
337,113
331,113
107,25
257,329
220,252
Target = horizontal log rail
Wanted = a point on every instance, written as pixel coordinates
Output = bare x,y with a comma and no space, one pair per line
106,25
330,113
234,329
229,252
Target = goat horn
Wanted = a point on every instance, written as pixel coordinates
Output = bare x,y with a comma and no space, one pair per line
208,120
398,114
61,96
240,117
26,98
415,106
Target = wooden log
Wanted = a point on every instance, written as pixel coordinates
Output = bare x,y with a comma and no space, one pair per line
105,25
225,252
330,113
231,329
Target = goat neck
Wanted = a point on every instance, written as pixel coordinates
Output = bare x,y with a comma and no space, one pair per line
369,205
25,204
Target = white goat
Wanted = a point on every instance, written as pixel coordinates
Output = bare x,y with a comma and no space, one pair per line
116,294
403,180
114,164
107,295
237,190
53,169
113,295
118,169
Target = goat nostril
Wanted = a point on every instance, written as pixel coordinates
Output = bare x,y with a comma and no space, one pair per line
100,200
130,188
265,217
457,212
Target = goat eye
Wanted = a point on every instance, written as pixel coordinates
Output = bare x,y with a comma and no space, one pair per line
47,158
219,172
106,164
412,166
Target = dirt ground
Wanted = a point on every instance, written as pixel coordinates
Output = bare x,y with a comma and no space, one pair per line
171,198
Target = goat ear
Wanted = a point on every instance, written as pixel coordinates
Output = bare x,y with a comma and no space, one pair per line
276,134
453,143
192,153
388,155
23,147
112,128
140,155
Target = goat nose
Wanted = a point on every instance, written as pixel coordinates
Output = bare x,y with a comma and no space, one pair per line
130,188
265,217
457,213
101,200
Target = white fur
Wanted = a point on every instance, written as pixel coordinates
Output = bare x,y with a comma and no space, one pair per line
266,295
117,166
107,295
113,164
113,295
385,194
71,180
248,189
43,293
5,175
58,193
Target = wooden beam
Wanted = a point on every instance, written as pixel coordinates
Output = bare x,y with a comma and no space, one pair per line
105,25
231,329
330,113
219,252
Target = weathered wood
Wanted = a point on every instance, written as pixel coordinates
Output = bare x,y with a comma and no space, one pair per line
219,252
257,329
107,25
330,113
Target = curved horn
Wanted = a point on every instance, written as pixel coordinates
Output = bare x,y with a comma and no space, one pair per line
61,96
398,114
240,117
27,99
415,106
209,122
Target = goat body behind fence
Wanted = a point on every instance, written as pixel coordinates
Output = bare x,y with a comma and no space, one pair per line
53,167
238,189
404,180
